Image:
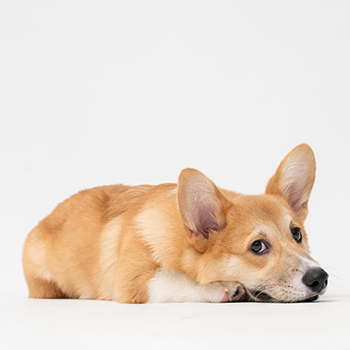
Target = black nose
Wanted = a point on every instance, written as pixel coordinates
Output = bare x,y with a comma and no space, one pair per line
316,279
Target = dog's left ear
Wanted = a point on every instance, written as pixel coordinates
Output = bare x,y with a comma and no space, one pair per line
294,179
202,206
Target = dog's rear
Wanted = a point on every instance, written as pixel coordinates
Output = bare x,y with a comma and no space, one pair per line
185,242
73,252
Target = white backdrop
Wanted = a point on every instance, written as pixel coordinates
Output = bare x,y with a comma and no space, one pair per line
104,92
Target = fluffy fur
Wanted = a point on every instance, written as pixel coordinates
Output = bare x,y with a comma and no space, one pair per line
185,242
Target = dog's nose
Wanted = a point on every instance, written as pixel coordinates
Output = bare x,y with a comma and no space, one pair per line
316,279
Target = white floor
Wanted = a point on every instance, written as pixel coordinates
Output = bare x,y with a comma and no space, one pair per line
83,324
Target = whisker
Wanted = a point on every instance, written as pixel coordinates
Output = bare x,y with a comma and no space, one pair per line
332,283
261,289
330,267
318,260
338,278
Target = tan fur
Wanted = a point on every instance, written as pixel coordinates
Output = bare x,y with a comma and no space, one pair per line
109,242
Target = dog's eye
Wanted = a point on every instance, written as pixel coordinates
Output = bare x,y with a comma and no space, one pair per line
296,232
258,247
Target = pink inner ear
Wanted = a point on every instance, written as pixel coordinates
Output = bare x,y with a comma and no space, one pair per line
292,196
297,179
295,196
205,219
200,203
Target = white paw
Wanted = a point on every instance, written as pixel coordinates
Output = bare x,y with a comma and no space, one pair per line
229,291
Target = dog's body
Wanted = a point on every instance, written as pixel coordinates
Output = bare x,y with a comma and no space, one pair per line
189,242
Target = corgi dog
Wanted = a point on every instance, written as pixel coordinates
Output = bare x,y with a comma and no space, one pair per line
184,242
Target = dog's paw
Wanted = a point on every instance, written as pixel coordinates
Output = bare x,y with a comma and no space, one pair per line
232,291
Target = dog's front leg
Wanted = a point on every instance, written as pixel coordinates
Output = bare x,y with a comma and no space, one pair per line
167,286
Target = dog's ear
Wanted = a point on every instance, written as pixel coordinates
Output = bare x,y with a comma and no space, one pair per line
294,179
202,206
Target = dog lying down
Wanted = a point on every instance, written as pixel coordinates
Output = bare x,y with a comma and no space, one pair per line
185,242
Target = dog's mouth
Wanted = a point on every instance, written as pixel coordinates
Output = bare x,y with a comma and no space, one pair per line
259,296
262,297
308,300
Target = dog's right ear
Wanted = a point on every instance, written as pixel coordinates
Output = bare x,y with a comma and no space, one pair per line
202,206
294,179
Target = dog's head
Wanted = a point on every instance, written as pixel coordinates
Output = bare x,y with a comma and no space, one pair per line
259,241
